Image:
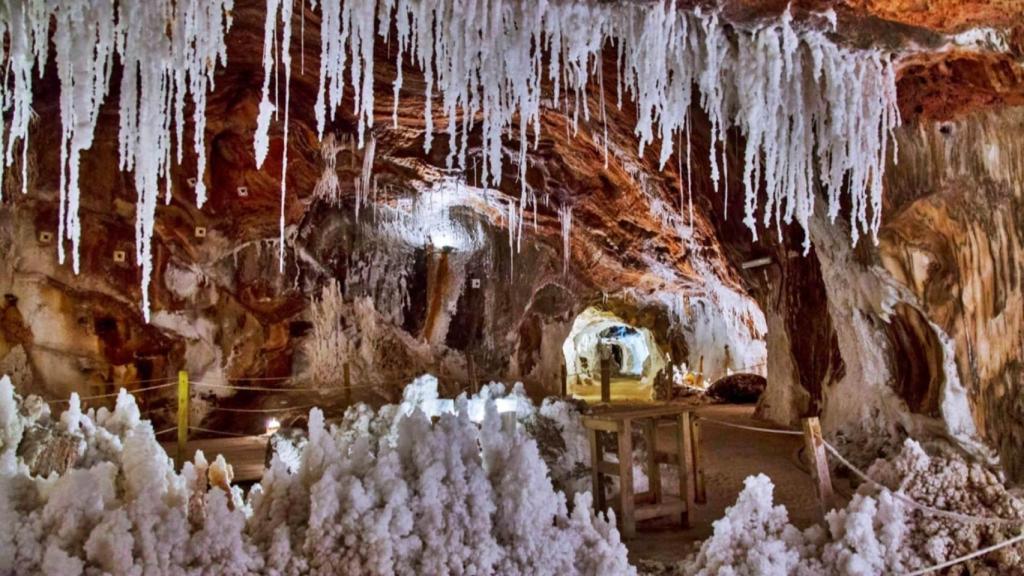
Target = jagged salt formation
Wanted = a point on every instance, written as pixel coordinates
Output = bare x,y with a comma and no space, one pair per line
168,50
385,492
876,533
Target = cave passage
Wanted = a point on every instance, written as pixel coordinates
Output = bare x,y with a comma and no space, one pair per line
634,357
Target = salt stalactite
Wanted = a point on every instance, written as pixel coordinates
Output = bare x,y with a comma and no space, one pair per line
565,217
812,113
159,66
788,91
328,188
162,64
365,180
84,41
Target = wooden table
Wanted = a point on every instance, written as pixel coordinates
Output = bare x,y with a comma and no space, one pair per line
633,507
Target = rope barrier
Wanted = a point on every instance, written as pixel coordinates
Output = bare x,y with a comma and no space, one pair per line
750,428
165,431
224,432
972,555
113,394
966,518
263,410
253,388
259,379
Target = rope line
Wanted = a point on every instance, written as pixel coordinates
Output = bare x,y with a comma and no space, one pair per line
165,431
253,388
750,428
114,394
263,410
226,433
975,554
966,518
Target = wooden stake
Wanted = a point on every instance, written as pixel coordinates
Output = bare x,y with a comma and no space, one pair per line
606,380
818,463
347,376
183,396
700,492
565,381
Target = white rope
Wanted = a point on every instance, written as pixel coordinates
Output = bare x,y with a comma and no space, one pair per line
263,410
165,431
226,433
113,394
253,388
975,554
967,518
750,428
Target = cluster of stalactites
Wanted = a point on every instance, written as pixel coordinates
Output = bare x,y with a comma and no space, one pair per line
812,113
168,51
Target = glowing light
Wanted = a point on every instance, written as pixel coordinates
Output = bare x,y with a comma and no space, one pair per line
273,425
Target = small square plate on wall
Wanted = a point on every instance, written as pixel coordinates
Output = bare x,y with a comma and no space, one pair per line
119,256
243,191
200,231
45,236
474,283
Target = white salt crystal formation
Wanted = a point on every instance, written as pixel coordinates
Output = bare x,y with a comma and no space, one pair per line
386,492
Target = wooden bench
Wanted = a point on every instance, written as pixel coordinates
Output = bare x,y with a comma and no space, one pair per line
632,507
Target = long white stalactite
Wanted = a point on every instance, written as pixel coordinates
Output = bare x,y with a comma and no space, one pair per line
812,113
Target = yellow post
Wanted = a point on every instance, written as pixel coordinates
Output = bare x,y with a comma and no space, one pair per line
183,395
347,376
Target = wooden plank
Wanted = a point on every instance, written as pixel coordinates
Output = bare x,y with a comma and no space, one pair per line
625,443
608,468
700,492
603,424
597,482
818,463
657,411
670,507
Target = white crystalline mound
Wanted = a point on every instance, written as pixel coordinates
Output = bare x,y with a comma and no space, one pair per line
876,533
385,492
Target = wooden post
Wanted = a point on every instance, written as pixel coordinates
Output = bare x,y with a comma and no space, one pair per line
626,479
565,381
183,396
596,457
684,451
700,492
509,421
347,382
606,379
818,461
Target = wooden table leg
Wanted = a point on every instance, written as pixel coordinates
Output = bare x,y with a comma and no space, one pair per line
595,474
626,479
684,453
653,471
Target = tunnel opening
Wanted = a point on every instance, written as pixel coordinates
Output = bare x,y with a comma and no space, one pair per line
629,353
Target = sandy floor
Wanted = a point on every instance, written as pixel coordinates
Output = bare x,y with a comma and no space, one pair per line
623,389
730,455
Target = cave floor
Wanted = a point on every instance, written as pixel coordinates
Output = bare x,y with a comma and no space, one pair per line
623,389
729,456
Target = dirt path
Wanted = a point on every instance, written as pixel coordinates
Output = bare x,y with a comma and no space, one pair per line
730,455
